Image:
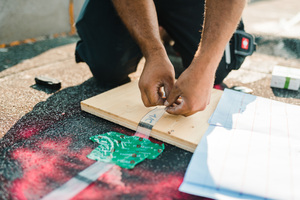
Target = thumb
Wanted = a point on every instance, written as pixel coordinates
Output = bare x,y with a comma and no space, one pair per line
173,96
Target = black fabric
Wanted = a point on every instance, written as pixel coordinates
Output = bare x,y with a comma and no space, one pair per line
236,60
111,52
105,45
183,20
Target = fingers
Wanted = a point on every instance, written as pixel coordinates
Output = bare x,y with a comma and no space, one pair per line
176,109
145,98
179,108
185,108
173,96
182,109
153,96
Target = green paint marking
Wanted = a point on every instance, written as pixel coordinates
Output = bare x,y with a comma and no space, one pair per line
125,151
287,82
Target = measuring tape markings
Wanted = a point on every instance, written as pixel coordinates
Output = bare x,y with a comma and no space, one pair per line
148,121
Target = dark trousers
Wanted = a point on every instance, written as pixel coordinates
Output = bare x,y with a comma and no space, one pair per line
111,53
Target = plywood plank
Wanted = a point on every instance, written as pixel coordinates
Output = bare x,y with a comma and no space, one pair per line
123,106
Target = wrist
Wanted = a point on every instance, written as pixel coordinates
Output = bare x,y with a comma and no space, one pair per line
154,51
206,63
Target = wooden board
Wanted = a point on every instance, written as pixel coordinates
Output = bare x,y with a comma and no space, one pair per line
123,106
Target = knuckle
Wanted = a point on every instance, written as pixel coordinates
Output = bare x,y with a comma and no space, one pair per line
152,100
147,104
151,104
143,84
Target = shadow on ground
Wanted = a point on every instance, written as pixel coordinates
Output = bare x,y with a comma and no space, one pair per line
288,48
286,93
46,89
48,146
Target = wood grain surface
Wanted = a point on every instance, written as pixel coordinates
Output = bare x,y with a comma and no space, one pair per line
123,106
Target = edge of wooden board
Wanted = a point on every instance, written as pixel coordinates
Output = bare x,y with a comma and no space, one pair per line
87,106
132,126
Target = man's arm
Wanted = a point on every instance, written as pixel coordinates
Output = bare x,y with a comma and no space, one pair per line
195,84
139,16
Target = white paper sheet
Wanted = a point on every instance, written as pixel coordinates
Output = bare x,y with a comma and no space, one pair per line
250,151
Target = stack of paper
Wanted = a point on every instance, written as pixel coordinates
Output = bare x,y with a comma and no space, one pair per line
250,151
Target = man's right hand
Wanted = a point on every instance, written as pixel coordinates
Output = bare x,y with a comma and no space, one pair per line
158,77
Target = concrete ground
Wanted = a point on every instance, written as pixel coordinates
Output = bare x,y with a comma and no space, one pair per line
28,109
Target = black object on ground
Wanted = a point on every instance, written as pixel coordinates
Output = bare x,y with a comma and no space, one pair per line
48,82
242,89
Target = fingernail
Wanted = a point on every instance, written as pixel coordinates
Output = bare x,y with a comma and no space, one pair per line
166,103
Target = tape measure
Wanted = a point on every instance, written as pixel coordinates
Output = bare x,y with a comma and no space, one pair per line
148,121
76,184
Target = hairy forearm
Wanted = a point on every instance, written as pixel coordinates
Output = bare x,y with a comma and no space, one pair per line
220,21
139,16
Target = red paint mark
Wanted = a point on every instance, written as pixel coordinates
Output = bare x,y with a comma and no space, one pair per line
113,178
45,166
48,164
147,184
29,132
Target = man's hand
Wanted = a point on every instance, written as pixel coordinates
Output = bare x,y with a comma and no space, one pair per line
156,80
191,93
194,86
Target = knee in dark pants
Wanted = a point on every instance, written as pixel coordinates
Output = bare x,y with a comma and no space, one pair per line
109,66
106,45
111,74
110,79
